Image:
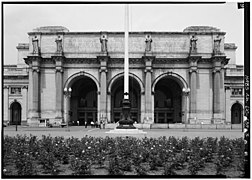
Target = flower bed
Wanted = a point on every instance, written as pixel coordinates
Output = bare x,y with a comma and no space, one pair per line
23,155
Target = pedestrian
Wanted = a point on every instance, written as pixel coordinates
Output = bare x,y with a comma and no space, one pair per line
92,124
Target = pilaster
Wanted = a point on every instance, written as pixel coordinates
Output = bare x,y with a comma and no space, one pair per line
6,103
25,104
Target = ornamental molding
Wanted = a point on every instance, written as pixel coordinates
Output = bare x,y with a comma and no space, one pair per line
35,69
148,70
103,70
216,69
194,59
60,70
191,70
58,58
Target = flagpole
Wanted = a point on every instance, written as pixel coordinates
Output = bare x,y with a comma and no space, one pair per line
126,54
126,122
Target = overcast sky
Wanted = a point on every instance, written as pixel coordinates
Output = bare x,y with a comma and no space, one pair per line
19,19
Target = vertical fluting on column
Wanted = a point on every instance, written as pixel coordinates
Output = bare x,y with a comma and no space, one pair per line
59,86
103,84
6,103
148,93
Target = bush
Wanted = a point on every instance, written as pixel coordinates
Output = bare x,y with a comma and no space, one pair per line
24,154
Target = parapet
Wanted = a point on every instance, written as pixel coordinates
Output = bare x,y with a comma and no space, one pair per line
51,29
201,29
230,46
23,46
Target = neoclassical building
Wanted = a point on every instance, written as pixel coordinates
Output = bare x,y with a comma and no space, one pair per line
188,77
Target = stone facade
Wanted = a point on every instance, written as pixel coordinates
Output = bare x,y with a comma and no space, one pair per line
175,77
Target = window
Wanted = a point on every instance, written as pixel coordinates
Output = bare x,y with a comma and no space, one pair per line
15,90
237,92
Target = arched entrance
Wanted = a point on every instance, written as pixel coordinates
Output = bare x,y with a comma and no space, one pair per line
83,102
236,113
15,113
117,97
167,101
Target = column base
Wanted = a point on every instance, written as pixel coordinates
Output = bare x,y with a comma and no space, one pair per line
148,118
218,118
33,121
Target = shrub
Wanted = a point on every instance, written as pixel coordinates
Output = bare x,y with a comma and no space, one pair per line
80,166
169,169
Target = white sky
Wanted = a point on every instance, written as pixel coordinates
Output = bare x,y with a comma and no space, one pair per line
19,19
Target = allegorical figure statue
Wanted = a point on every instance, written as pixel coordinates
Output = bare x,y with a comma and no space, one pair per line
35,45
148,42
58,41
193,44
103,40
217,41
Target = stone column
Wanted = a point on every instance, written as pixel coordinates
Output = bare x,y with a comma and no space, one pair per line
59,87
35,105
35,94
6,103
149,114
25,104
193,63
103,86
218,111
30,94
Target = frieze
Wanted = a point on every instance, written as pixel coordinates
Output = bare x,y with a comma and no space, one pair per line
81,61
121,61
47,61
166,60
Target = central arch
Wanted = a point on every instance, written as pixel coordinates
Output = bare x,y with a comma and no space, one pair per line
117,97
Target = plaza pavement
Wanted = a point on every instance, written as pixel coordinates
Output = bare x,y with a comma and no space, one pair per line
81,131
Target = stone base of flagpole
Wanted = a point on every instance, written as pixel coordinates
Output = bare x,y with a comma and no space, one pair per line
126,124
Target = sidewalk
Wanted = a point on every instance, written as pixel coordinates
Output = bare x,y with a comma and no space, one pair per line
81,131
